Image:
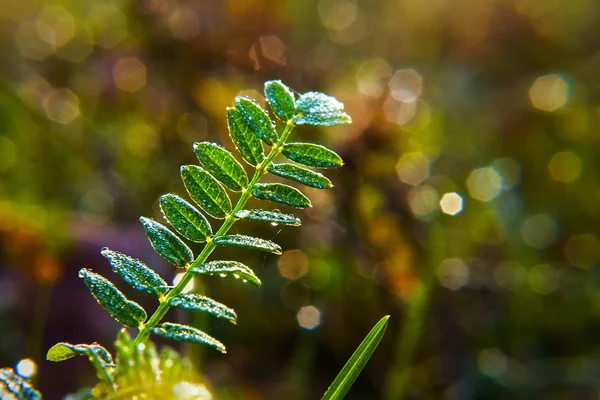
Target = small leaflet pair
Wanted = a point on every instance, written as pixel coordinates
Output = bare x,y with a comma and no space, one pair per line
250,128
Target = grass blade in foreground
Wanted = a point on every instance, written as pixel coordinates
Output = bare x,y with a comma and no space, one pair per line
357,362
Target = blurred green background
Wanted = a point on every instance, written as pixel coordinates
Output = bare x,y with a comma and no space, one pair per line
468,207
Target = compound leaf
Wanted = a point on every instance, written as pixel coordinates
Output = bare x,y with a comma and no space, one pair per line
314,108
186,333
185,218
281,99
245,141
257,119
20,388
166,243
300,175
195,302
222,165
357,362
313,155
280,193
135,273
125,311
206,191
228,268
274,217
248,242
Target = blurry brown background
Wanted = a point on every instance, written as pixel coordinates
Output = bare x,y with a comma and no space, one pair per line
468,207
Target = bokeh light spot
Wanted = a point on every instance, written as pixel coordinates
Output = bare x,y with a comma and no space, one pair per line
273,49
129,74
337,15
184,23
29,40
61,105
542,278
484,184
423,201
27,368
549,92
453,273
370,76
108,25
538,231
565,166
406,85
451,203
292,264
413,168
309,317
399,112
58,23
582,251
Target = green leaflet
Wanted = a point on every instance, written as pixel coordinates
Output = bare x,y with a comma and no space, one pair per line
227,268
185,333
245,141
313,155
20,388
222,165
135,273
169,246
248,242
206,191
63,351
185,218
195,302
281,99
357,362
280,194
274,217
314,108
125,311
301,175
257,119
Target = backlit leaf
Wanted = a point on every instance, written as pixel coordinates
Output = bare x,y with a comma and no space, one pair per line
280,194
274,217
281,99
19,388
301,175
63,351
185,333
228,268
206,191
257,119
247,143
248,242
166,243
313,155
314,108
357,362
222,165
185,218
195,302
125,311
135,273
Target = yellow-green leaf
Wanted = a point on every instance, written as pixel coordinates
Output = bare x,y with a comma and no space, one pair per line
247,143
248,242
280,193
281,99
206,191
274,217
222,165
186,333
300,175
166,243
185,218
313,155
257,119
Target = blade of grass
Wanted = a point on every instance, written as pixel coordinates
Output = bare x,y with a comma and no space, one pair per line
357,362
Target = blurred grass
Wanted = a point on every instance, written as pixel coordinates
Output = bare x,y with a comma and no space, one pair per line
487,110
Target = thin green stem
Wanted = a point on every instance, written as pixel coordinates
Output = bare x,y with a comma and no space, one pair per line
261,170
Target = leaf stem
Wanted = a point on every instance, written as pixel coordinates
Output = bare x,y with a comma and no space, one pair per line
261,170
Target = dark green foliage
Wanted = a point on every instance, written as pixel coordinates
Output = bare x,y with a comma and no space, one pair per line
167,244
282,194
281,99
185,333
274,217
224,269
248,242
222,165
195,302
18,387
257,119
127,312
301,175
313,155
314,108
245,141
185,218
206,191
136,273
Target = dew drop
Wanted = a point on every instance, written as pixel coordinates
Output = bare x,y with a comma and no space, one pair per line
236,276
104,249
274,223
222,275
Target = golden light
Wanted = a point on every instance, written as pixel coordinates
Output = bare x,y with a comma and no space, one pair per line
565,166
451,203
292,264
406,85
309,317
484,184
61,105
413,168
129,74
549,92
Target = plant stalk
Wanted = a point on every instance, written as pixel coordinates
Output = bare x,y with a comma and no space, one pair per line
164,305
